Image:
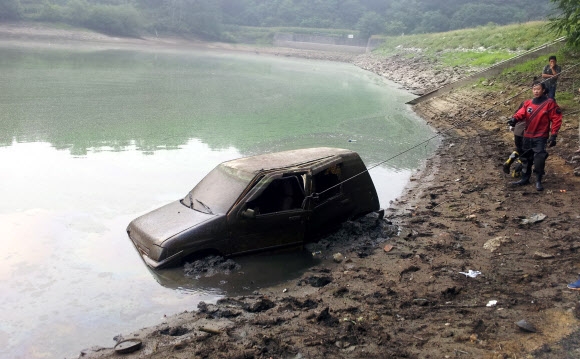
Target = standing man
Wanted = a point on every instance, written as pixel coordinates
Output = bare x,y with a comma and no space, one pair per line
550,76
543,119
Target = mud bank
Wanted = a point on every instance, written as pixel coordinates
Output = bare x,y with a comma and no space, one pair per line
403,293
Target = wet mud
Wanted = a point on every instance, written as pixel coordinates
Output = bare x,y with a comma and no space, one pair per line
210,266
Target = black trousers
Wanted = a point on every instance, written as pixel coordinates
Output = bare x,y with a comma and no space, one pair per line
519,141
534,155
552,92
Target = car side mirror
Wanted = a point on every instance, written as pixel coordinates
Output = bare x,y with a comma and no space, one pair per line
248,213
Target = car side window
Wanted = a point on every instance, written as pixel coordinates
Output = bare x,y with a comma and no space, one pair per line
326,183
282,194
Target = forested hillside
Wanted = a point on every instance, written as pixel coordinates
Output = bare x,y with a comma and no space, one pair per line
218,19
390,17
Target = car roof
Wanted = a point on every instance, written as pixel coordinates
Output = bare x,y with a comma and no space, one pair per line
285,159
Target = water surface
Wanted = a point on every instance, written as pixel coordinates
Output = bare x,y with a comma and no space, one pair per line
91,139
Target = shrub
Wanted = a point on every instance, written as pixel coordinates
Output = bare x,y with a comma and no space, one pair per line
51,13
10,10
77,12
121,20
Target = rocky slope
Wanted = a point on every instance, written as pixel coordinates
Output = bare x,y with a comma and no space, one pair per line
412,71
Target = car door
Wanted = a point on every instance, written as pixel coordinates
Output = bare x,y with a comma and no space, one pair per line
270,216
329,206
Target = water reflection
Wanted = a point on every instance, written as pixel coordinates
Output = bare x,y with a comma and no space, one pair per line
119,99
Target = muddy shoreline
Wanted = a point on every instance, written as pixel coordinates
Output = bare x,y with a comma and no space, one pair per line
403,294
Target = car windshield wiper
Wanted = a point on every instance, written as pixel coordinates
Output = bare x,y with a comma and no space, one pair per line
204,205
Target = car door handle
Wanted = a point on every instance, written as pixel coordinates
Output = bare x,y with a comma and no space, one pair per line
294,218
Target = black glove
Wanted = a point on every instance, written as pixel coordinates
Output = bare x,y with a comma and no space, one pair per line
512,122
552,141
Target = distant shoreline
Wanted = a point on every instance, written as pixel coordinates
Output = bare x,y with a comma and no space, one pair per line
415,75
38,35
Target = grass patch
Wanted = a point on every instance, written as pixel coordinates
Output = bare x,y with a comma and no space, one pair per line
566,99
488,85
531,66
474,58
481,46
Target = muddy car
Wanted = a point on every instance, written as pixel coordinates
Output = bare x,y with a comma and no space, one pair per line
258,203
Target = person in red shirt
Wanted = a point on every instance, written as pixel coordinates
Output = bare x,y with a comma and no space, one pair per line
543,119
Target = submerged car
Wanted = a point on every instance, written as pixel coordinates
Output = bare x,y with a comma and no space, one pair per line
258,203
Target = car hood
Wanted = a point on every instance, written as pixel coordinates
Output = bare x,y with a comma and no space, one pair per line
163,223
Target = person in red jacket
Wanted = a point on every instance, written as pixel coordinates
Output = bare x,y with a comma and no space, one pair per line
543,119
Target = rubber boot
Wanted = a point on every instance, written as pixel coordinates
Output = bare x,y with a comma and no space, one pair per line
539,185
508,163
524,181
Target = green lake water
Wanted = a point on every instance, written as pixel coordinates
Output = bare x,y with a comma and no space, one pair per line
89,140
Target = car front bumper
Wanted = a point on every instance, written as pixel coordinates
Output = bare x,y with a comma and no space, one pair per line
161,264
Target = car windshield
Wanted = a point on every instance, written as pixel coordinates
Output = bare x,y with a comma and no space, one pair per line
217,192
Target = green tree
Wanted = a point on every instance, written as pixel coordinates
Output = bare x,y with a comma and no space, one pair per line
433,21
395,27
77,12
378,6
10,10
567,21
369,24
203,17
406,13
476,14
198,17
349,12
119,20
51,12
286,13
